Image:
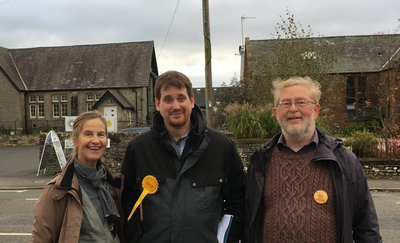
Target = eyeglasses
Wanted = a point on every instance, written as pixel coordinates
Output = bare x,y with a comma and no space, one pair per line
297,103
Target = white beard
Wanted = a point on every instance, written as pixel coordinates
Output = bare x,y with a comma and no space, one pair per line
298,132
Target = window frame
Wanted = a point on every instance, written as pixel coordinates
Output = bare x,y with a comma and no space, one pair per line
356,97
55,98
64,109
40,110
64,98
89,95
89,104
54,105
31,115
97,97
40,99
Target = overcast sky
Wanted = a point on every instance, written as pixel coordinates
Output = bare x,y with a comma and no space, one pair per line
42,23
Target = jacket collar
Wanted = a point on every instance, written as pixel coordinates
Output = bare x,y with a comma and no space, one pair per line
324,150
67,178
326,146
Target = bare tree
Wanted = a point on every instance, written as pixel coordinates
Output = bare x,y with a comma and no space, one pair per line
383,103
293,52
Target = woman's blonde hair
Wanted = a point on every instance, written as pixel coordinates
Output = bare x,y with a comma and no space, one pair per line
78,124
314,86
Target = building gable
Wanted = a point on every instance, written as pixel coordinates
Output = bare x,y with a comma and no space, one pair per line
118,97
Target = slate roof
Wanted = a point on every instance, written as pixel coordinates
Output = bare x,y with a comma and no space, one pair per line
118,97
117,65
364,53
6,65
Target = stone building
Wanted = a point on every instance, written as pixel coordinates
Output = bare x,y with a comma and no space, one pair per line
364,64
42,87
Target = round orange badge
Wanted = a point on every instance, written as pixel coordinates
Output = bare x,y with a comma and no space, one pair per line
320,196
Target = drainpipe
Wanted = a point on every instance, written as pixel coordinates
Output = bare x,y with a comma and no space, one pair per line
134,90
26,115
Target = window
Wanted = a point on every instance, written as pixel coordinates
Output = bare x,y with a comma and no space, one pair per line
36,108
60,105
64,109
356,97
89,106
89,97
32,111
40,110
56,110
56,98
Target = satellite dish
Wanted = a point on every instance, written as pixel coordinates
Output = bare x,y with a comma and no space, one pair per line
241,49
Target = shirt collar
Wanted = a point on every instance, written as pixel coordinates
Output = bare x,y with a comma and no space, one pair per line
284,148
182,138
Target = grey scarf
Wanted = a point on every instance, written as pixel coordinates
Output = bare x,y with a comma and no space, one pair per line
98,178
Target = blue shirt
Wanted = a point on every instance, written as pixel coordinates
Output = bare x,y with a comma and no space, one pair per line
180,144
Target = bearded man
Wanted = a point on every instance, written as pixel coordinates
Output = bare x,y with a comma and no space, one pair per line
199,173
305,186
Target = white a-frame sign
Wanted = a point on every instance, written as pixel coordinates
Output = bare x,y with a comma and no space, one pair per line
51,140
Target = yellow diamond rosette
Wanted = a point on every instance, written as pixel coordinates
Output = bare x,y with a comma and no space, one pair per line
150,186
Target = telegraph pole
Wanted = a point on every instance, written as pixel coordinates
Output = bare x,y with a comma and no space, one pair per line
207,53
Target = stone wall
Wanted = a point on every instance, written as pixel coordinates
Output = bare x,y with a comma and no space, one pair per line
114,155
246,148
19,140
382,169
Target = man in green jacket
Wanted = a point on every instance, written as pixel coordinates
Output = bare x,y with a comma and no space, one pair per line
199,173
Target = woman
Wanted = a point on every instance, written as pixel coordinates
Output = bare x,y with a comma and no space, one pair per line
82,203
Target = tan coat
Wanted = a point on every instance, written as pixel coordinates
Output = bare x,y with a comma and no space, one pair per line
58,212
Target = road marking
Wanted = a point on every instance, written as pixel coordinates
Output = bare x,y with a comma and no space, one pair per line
31,199
17,191
15,233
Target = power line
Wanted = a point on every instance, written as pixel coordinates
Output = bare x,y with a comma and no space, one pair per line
5,1
172,20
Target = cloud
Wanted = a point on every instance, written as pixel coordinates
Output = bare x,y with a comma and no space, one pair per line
54,23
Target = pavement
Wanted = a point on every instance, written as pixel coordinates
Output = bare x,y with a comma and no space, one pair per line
38,182
18,168
25,182
384,184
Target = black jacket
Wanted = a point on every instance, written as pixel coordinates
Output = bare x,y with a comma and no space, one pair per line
194,191
355,211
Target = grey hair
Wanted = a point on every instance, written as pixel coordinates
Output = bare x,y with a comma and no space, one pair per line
314,86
